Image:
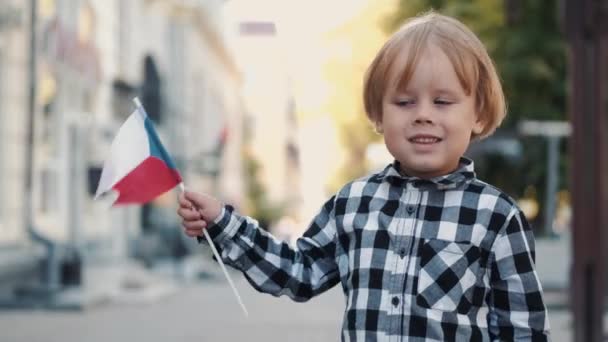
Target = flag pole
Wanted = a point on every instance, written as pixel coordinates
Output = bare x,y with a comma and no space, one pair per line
140,107
219,259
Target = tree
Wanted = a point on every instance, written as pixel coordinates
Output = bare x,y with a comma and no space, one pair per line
354,44
258,204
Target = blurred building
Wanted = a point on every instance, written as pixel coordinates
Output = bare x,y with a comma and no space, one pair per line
93,57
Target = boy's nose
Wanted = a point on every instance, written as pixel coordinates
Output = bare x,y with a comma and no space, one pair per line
423,120
423,114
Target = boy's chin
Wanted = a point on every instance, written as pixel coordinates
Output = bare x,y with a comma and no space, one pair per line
423,170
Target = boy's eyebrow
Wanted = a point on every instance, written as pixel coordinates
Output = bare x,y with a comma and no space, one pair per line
438,91
444,91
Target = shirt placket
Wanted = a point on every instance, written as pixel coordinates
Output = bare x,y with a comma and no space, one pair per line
402,248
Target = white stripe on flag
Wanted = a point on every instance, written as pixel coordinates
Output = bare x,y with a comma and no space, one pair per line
129,149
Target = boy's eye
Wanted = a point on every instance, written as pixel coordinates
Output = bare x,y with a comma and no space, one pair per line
442,102
403,103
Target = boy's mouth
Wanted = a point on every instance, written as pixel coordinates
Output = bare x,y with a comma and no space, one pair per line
424,139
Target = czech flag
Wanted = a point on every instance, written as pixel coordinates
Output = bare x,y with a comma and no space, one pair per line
138,168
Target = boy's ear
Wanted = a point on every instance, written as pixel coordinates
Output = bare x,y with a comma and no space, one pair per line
479,125
378,126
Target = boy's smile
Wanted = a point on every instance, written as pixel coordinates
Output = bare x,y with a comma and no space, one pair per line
424,142
428,125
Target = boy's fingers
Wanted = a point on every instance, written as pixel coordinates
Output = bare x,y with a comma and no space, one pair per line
194,232
183,202
189,214
208,207
198,200
198,224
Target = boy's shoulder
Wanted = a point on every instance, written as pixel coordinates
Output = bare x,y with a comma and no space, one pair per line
494,197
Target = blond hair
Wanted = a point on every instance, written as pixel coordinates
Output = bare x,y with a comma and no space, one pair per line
468,56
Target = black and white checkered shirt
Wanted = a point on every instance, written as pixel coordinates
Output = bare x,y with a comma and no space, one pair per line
446,259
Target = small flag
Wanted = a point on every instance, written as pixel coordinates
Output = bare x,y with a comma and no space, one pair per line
138,168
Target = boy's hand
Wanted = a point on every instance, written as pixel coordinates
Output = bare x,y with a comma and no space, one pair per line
197,211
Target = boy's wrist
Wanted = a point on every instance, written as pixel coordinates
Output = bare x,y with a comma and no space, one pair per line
220,216
218,228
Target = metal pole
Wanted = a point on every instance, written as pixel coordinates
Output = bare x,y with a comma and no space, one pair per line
552,177
31,111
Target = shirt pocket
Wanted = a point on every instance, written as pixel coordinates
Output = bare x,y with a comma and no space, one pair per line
447,275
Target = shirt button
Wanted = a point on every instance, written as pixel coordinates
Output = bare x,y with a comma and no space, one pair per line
395,301
410,209
402,253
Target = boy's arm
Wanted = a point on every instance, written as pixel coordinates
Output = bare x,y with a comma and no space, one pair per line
517,310
273,266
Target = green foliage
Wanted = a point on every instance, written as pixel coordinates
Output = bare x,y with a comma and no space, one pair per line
357,135
257,202
362,36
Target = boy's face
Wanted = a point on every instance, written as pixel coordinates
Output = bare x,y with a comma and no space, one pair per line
427,126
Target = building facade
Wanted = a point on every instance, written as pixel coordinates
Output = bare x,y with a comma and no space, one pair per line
18,254
92,58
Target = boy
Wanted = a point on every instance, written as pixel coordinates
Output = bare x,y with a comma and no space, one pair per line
423,250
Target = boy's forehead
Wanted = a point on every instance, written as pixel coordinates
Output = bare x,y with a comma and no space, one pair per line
401,65
430,60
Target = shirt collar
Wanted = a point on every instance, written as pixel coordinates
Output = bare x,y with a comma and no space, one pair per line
463,174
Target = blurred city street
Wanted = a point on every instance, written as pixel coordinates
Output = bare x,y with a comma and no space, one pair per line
258,104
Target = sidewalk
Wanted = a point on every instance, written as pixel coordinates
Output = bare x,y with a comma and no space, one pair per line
110,283
130,282
553,259
553,262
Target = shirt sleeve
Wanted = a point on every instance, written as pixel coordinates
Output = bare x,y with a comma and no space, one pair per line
273,266
517,309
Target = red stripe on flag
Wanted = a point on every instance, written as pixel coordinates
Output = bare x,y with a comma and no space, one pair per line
146,182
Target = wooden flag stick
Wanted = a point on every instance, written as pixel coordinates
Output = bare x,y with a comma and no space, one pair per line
219,259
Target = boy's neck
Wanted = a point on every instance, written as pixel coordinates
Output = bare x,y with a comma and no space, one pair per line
403,173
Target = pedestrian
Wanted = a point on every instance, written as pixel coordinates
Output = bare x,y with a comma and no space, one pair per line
423,250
